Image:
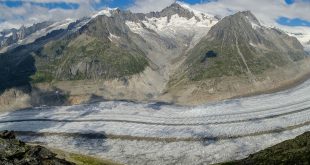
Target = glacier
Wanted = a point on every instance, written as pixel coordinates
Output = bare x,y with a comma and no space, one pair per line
159,133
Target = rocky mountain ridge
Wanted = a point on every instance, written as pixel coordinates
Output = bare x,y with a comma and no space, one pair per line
12,36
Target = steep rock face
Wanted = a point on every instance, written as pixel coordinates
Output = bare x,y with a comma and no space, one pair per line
101,49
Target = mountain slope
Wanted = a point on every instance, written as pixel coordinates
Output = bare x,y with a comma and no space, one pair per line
168,35
18,64
176,55
242,46
238,56
100,49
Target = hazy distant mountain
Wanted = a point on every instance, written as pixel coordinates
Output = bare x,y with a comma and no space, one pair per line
14,35
11,38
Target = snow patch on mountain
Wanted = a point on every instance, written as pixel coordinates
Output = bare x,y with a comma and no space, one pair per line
113,37
176,22
175,26
197,13
252,44
255,25
106,12
40,33
8,35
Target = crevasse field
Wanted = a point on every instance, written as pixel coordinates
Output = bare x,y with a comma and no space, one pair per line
154,133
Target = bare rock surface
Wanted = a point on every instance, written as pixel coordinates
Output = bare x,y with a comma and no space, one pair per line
15,152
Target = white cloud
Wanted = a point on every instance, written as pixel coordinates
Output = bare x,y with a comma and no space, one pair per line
265,10
150,5
28,14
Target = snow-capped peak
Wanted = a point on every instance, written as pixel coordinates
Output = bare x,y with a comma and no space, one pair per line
196,12
106,11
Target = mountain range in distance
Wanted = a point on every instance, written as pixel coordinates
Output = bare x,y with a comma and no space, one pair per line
178,55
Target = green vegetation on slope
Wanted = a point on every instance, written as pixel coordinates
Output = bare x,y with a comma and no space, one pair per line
41,76
228,61
101,49
241,50
87,160
86,58
295,151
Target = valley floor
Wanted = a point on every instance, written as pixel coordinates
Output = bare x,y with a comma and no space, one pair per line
154,133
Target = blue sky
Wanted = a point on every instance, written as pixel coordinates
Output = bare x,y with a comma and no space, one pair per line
293,1
49,5
68,5
293,21
17,11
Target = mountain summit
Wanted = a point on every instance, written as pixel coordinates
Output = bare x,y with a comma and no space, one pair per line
173,9
238,54
243,45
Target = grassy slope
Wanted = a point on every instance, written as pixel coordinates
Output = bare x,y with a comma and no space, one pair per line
82,159
271,49
228,62
295,151
87,160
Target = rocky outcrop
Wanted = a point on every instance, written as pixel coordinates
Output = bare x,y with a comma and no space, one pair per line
295,151
15,152
15,98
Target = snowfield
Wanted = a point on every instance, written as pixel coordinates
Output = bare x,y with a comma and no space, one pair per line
154,133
